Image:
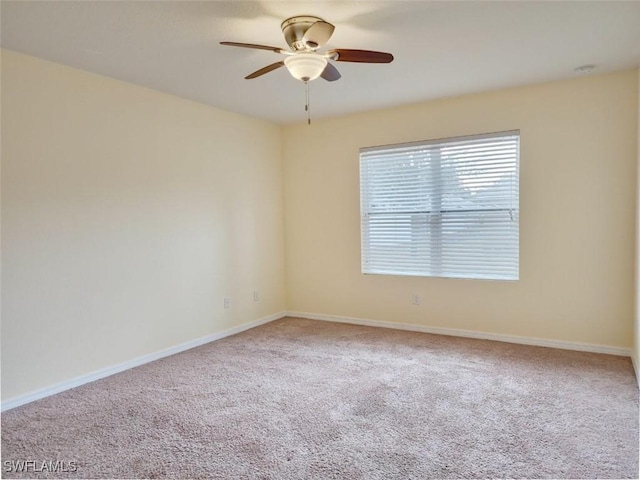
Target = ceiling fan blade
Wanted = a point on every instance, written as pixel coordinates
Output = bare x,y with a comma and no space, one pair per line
252,45
318,34
330,73
267,69
362,56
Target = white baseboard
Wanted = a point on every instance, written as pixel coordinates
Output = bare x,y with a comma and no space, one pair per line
108,371
539,342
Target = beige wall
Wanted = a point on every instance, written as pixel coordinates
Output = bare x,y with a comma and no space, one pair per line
636,342
127,216
577,191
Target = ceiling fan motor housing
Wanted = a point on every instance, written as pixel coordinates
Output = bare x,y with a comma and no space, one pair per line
294,29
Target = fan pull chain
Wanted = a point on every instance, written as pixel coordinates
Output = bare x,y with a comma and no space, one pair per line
307,106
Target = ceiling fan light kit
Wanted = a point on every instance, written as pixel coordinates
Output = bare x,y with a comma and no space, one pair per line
305,34
306,66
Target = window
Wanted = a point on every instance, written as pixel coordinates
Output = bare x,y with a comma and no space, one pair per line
442,208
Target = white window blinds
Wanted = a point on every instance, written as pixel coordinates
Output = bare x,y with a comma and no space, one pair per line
444,208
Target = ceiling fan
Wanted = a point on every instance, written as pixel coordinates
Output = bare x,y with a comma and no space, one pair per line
305,35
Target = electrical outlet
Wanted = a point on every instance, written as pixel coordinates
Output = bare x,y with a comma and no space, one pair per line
227,303
256,296
415,299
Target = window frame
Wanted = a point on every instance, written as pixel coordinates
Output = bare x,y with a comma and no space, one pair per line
434,216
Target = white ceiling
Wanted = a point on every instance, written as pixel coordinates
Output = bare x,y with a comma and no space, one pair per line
440,48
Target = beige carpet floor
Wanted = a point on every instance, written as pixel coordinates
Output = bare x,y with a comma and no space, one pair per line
297,399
